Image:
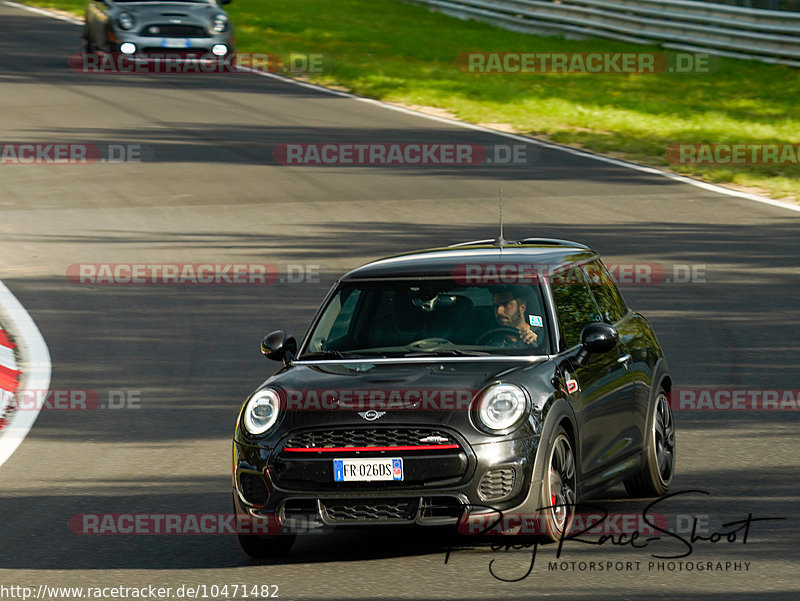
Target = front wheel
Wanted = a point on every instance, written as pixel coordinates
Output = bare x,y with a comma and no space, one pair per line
654,479
559,486
87,43
263,546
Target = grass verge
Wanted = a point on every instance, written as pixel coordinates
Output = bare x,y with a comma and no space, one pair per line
405,53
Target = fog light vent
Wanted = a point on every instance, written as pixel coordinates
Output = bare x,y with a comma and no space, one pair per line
497,483
254,489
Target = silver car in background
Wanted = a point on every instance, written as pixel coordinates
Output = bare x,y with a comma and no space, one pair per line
153,27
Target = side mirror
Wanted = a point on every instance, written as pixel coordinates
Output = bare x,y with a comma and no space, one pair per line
223,2
278,347
596,338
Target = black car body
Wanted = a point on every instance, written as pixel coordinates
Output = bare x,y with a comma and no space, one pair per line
407,366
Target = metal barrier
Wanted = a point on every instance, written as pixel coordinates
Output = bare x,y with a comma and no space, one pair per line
720,29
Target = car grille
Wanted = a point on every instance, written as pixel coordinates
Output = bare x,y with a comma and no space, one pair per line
497,483
386,510
368,437
254,489
173,30
440,508
180,53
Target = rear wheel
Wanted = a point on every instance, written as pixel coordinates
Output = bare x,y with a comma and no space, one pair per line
654,479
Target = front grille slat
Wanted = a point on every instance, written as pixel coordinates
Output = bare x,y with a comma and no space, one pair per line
174,30
367,437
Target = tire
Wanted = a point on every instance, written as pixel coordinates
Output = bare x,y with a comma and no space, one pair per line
654,479
87,44
266,546
559,486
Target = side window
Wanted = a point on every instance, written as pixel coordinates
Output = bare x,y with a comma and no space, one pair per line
575,305
612,306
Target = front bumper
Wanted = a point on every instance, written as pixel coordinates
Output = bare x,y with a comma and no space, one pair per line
172,45
439,489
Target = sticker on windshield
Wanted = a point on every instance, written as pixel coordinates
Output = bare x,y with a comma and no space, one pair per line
536,320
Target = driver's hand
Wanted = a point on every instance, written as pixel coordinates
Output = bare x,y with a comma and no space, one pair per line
527,336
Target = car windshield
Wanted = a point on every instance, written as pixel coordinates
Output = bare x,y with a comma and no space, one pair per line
432,317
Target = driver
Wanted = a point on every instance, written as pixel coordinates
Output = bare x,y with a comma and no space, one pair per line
509,311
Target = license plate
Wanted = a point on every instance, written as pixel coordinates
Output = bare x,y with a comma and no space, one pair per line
366,470
171,43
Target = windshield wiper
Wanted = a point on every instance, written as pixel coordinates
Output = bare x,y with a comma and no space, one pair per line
332,353
451,352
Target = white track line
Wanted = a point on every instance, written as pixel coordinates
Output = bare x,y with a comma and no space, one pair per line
35,366
574,151
7,358
520,138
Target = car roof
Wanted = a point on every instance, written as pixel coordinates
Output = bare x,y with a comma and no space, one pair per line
445,261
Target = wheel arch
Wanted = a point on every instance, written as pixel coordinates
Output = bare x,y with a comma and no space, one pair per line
559,413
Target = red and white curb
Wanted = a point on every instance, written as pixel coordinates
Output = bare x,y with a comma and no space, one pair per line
24,365
9,378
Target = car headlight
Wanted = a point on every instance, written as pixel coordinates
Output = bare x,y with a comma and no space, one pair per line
220,23
501,406
261,411
125,21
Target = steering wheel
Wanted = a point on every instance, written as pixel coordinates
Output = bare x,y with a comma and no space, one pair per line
504,336
428,344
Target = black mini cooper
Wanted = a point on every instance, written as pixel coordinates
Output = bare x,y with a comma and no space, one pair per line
442,386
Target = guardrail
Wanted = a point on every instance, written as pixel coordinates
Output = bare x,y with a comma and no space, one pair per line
720,29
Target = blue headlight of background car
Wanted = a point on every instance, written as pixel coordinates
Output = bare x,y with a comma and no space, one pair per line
500,407
126,21
261,411
220,23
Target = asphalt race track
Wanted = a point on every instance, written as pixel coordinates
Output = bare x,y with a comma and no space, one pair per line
208,190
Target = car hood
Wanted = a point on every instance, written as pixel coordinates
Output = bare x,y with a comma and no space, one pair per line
170,12
435,393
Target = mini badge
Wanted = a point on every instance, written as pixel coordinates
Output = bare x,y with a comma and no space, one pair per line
371,415
535,320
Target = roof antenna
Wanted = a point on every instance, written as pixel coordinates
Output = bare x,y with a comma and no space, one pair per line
501,242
